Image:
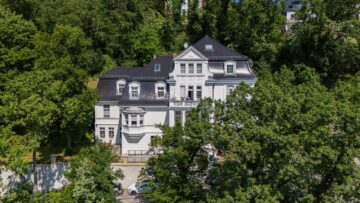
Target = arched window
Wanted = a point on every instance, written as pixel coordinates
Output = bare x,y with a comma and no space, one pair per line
120,86
134,90
230,67
160,90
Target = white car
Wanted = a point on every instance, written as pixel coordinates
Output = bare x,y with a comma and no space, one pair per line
137,187
133,188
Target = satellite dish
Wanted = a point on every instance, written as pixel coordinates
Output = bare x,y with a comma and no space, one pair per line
186,45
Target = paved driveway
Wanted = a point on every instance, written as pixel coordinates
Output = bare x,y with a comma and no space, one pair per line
131,173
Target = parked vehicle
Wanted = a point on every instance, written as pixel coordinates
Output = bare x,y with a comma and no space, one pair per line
138,187
117,187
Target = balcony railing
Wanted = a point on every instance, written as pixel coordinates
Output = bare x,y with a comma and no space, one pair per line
183,103
140,156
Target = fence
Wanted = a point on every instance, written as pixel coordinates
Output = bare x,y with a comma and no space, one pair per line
141,156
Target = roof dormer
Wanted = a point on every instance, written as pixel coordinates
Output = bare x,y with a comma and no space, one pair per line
134,90
157,67
209,47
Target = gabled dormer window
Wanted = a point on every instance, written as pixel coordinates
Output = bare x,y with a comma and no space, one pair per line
120,86
160,90
230,68
134,90
157,67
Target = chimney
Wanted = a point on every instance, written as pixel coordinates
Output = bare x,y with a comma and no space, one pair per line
174,55
154,56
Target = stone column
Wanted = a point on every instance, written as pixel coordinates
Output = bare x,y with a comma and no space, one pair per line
183,117
171,118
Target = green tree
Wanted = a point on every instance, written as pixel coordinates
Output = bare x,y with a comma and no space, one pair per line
327,39
16,45
146,42
77,111
288,139
91,176
71,42
177,172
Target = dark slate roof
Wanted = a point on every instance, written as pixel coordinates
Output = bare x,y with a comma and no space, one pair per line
146,73
147,78
293,5
219,52
107,92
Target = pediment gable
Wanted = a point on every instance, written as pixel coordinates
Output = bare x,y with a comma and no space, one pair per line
190,54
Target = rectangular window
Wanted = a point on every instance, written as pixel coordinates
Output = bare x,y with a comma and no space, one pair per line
190,95
161,92
198,92
157,67
199,68
106,111
230,69
134,92
133,120
111,132
182,68
209,47
191,68
182,92
102,132
121,88
127,119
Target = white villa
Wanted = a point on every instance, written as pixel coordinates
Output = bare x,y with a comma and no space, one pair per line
134,101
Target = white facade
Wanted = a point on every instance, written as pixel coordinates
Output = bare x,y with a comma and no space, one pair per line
192,77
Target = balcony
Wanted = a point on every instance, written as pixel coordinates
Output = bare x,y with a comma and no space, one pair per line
183,103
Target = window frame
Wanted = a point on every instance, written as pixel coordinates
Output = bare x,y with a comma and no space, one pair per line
182,68
111,132
199,65
133,85
133,123
157,67
183,91
191,67
197,92
106,110
209,47
118,83
227,64
158,85
102,132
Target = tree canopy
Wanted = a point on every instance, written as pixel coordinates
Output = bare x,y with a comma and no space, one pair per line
291,138
288,139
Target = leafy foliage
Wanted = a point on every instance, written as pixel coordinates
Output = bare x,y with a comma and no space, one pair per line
328,40
288,139
91,176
